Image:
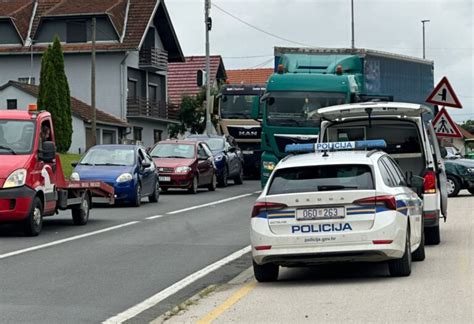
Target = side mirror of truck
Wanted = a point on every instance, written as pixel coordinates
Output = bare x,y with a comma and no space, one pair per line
48,152
255,108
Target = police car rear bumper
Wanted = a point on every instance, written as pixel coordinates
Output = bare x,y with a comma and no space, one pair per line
15,203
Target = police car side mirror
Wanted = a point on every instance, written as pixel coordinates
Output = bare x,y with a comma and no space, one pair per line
48,152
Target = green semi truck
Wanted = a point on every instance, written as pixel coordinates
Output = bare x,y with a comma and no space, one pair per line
308,79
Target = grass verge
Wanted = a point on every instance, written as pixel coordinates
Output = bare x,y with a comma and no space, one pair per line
66,160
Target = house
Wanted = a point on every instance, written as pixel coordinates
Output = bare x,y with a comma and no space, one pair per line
135,43
19,95
458,142
182,77
249,76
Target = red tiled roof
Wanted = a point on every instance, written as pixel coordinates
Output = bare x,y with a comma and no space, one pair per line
19,11
78,108
249,76
465,133
182,76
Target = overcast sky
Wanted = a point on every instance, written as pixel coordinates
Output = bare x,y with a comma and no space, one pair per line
387,25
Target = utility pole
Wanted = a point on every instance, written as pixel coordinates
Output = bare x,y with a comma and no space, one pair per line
423,23
352,15
94,124
208,24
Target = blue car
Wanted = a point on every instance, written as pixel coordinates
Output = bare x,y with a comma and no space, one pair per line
228,158
128,168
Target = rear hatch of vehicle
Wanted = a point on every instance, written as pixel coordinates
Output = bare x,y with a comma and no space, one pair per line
325,199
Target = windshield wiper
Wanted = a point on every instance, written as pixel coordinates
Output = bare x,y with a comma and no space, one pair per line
335,187
8,149
86,164
111,164
170,157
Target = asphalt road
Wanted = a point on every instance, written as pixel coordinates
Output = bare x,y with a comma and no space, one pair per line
439,289
124,255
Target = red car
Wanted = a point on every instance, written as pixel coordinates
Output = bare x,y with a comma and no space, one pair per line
184,164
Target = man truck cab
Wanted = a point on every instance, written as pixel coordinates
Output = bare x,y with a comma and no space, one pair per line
411,142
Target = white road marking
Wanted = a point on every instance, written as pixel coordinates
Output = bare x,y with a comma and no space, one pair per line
154,217
72,238
162,295
209,204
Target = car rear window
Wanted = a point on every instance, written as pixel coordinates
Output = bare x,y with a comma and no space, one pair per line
321,178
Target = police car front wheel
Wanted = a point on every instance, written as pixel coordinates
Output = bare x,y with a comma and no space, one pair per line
265,272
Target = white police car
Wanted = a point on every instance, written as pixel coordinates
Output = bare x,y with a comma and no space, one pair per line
335,206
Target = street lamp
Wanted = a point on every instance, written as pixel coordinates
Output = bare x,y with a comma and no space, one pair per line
423,23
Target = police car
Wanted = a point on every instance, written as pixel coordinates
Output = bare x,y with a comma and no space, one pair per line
337,206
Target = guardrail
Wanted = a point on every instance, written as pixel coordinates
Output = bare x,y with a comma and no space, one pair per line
141,107
153,59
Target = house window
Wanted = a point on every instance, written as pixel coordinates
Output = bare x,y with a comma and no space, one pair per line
157,134
76,31
153,93
12,104
27,80
137,133
109,137
132,89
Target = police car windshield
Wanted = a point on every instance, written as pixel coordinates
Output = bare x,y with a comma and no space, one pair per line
321,178
16,137
173,150
236,106
109,156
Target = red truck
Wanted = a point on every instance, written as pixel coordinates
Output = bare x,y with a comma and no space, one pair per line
32,183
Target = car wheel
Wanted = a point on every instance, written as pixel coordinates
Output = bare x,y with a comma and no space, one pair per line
212,185
240,178
34,222
155,196
265,272
80,214
402,267
138,195
224,178
432,235
194,186
419,254
453,186
471,190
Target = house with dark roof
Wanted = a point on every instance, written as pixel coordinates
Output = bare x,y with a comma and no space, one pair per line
135,44
182,77
19,95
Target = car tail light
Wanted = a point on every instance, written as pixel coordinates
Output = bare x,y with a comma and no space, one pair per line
265,206
429,185
388,201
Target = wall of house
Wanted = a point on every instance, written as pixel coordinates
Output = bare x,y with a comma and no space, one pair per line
148,131
8,34
78,143
23,99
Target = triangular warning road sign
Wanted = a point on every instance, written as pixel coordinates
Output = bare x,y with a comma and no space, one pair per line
444,125
443,95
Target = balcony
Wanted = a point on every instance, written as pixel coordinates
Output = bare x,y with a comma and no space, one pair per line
153,59
143,108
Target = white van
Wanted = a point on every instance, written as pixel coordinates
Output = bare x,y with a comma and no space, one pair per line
411,141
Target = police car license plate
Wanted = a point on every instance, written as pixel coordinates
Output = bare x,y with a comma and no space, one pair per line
164,179
320,213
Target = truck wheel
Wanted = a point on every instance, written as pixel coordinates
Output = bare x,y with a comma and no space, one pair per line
240,178
402,267
453,186
156,193
34,222
265,272
80,214
419,254
432,235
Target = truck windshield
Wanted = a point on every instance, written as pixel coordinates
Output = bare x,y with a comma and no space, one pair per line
16,136
298,108
236,106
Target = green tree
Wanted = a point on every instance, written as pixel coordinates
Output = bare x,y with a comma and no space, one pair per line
54,95
468,125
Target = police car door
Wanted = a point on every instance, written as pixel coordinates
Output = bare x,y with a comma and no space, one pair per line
440,169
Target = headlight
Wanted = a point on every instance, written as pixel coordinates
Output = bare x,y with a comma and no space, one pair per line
269,165
75,176
124,177
470,170
184,169
218,158
15,179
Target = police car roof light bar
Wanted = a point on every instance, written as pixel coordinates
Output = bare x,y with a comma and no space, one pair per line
335,146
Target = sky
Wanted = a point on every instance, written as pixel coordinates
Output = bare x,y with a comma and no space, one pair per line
386,25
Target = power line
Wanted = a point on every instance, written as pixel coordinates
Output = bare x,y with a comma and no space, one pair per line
262,64
257,28
246,57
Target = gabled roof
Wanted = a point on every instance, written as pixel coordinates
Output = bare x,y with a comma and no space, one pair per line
131,19
465,133
249,76
19,12
182,76
78,108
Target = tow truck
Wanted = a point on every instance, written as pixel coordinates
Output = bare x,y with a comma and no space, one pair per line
32,183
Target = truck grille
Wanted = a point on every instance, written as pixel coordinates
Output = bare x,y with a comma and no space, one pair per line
245,132
283,140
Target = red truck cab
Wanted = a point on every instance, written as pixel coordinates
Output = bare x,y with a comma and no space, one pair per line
32,183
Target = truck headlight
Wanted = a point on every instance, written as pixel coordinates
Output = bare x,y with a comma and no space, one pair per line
16,179
124,177
75,176
268,165
184,169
